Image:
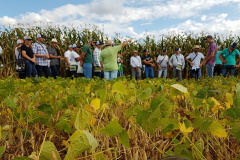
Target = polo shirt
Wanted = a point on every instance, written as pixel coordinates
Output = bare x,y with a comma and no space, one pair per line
231,56
88,56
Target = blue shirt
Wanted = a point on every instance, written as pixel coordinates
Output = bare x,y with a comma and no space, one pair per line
230,56
218,61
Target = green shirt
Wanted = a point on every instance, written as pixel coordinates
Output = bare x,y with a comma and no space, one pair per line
230,56
218,61
109,58
88,56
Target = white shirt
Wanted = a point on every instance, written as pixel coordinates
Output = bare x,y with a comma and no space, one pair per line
67,54
175,59
73,56
16,53
196,59
136,62
163,60
0,50
96,57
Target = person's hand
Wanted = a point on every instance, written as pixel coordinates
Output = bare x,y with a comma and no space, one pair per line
69,66
102,69
182,69
224,62
192,63
61,59
33,60
159,68
200,65
47,56
152,65
136,68
171,67
237,66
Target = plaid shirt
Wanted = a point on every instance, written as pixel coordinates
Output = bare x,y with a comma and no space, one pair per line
41,49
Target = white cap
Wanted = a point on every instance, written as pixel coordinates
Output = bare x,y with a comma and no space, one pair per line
75,46
70,46
41,36
19,41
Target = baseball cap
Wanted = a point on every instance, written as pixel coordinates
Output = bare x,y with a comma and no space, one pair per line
234,45
99,43
209,36
76,46
70,46
145,50
41,36
27,38
178,49
164,50
19,41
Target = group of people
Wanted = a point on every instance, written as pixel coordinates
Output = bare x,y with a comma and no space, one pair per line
107,62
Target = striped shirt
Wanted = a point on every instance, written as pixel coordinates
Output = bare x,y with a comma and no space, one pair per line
41,49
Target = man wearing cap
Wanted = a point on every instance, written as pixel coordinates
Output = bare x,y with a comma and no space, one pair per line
177,63
86,59
195,62
228,58
19,58
54,63
75,61
108,57
96,60
218,66
67,56
211,55
42,57
136,64
148,64
162,63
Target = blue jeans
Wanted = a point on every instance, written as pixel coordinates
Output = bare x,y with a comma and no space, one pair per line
210,70
228,68
55,71
30,69
196,73
45,69
110,74
87,70
149,72
162,72
121,73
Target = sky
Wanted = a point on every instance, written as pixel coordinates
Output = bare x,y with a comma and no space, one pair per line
132,18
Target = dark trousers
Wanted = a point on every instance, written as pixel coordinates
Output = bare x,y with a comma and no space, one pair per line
99,74
228,68
45,69
218,69
55,71
196,73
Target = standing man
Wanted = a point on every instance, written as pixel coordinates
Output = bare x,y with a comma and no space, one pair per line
86,59
228,58
96,60
67,56
74,61
148,64
120,62
195,62
211,55
42,57
136,64
162,63
109,59
177,64
54,59
218,65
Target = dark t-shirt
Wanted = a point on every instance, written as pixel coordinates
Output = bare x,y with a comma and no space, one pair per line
28,50
147,58
54,61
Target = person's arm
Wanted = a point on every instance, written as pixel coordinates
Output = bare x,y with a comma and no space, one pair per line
54,57
121,59
158,61
220,57
210,57
238,62
24,54
131,62
39,55
187,59
170,61
102,66
126,42
183,65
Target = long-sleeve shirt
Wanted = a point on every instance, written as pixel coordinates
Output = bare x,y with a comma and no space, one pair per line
96,57
175,59
136,61
0,50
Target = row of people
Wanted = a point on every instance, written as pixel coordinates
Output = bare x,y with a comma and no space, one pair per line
108,62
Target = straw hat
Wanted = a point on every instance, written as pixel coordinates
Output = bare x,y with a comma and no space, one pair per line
135,51
54,40
196,46
108,42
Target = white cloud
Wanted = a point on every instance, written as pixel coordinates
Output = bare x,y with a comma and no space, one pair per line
119,16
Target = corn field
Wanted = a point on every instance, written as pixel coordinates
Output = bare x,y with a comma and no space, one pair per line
66,36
